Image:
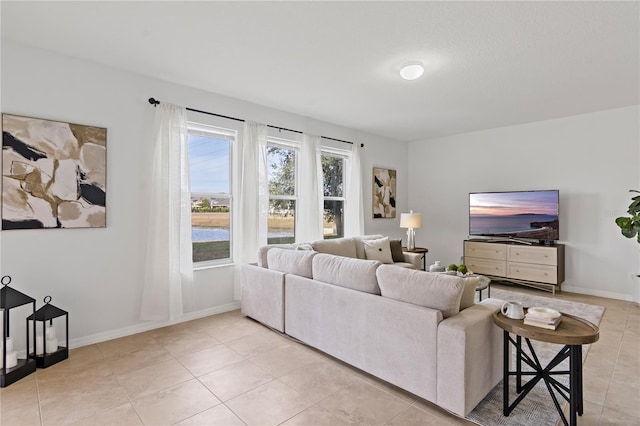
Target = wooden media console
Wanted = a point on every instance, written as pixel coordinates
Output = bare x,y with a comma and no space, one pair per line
533,265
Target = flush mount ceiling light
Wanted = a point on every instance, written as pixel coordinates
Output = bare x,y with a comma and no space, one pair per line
412,70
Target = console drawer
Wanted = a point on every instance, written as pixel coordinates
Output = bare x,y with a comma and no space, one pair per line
531,272
485,250
486,266
538,255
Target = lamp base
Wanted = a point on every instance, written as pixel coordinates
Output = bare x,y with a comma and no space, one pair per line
411,239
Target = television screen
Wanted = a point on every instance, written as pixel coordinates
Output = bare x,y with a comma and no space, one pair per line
515,214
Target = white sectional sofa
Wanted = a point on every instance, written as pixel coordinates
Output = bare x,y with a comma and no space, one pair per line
348,247
417,330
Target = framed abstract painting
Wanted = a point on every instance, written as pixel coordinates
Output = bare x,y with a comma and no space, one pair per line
384,193
53,174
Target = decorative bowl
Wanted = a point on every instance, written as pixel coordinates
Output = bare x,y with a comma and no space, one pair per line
547,313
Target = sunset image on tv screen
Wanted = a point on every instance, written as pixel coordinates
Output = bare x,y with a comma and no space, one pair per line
530,214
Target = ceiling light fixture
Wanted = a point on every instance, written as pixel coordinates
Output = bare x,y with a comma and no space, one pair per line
412,70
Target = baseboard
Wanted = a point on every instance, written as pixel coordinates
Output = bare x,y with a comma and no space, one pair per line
149,325
599,293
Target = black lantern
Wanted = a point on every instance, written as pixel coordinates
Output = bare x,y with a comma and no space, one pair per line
13,369
48,350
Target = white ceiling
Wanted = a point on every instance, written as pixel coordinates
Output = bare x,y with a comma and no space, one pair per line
488,64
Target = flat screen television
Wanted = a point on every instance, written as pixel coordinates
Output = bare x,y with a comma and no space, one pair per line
529,215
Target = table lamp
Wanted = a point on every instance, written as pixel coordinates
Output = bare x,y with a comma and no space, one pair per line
411,221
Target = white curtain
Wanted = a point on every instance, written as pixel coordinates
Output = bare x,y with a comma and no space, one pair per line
354,210
310,195
168,274
253,199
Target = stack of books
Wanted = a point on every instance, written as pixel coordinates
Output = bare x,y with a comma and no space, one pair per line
543,318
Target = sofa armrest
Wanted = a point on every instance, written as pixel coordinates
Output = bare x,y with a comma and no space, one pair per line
414,258
469,357
263,295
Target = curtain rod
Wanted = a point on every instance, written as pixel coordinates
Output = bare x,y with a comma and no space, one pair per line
155,102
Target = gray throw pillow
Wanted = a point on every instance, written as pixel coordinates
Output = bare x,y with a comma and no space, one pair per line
396,250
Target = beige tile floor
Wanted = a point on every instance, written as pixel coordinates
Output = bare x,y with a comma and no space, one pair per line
230,370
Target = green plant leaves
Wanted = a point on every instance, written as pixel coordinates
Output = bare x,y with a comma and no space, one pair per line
630,226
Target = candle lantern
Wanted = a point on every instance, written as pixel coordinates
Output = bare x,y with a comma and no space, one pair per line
48,348
13,368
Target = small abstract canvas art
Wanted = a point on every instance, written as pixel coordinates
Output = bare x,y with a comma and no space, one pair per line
384,193
53,174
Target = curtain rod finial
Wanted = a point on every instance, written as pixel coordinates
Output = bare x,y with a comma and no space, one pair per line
153,101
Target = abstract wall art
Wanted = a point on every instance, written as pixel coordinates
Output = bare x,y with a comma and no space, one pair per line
53,174
384,193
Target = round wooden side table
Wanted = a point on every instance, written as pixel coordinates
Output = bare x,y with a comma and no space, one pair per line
572,332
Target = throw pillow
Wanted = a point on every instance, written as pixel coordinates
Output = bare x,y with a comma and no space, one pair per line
360,245
396,250
469,292
378,250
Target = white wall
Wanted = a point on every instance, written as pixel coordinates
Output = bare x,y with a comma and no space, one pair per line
592,159
378,153
96,274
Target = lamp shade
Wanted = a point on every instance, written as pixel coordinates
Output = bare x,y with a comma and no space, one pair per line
411,220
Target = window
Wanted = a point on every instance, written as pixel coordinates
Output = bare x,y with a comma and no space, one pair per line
281,165
210,151
333,169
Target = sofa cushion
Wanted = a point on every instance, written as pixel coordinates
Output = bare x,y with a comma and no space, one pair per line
360,254
262,253
396,249
435,291
404,265
357,274
296,262
378,250
338,246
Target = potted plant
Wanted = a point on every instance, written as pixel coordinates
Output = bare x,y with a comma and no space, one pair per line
630,226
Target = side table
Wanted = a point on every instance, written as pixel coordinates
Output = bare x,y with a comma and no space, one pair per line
422,250
573,332
483,284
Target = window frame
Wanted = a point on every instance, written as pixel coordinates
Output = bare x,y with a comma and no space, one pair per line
294,146
231,135
344,155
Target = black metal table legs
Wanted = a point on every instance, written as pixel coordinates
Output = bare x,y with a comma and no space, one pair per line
573,393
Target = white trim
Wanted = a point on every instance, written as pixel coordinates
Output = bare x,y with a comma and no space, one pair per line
591,292
210,131
283,197
283,143
211,194
149,325
335,152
